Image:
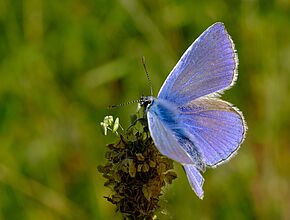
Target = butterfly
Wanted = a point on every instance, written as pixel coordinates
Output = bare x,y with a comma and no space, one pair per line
187,121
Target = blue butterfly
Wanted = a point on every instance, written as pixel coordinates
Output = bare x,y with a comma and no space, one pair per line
187,121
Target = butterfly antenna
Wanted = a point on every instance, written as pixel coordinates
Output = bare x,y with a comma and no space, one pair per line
123,104
148,77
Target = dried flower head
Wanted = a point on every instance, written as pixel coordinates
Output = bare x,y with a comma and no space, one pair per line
136,172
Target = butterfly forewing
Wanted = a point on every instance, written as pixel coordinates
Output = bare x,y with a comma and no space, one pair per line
208,66
169,136
165,140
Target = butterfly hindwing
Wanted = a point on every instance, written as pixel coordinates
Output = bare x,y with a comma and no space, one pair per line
195,179
208,66
215,127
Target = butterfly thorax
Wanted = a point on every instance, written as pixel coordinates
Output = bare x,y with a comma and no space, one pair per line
166,111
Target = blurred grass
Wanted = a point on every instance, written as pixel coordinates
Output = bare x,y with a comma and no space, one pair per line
63,62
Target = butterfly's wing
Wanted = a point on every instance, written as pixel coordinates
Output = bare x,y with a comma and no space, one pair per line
169,135
170,140
208,66
165,140
195,179
215,127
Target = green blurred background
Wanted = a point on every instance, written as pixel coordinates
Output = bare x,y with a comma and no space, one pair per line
63,62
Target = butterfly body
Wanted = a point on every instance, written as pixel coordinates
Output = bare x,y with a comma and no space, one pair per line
187,121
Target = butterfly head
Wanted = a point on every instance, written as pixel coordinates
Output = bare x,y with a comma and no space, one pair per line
146,101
